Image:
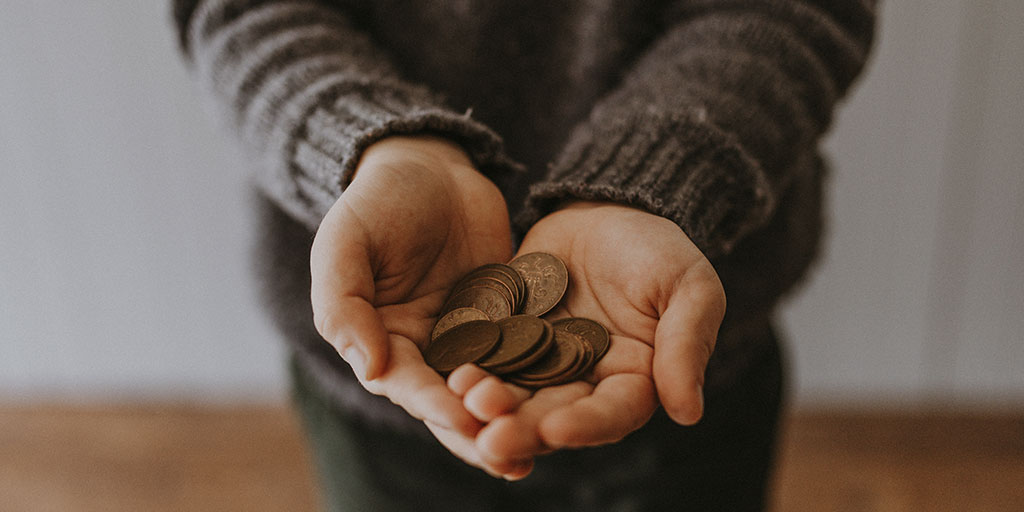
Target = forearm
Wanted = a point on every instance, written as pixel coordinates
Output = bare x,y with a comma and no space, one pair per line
717,118
308,92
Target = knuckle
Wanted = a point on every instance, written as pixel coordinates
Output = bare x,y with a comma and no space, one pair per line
329,325
323,322
704,351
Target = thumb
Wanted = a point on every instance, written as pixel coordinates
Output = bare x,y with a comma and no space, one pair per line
683,343
341,293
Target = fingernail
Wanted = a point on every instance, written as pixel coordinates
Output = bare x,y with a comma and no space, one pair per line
521,471
355,358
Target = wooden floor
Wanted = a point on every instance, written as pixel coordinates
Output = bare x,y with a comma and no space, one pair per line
885,462
172,458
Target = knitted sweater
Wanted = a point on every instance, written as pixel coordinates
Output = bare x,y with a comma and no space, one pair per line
707,112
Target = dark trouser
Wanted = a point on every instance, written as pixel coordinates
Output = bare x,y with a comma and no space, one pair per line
721,464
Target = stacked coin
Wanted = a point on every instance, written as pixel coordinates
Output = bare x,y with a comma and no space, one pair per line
492,318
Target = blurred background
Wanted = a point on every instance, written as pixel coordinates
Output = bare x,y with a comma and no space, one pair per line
125,292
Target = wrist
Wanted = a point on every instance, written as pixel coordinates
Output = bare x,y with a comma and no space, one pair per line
601,214
427,151
425,165
598,208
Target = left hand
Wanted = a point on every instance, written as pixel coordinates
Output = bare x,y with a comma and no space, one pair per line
641,277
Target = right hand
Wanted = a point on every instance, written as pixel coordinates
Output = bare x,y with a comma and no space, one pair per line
415,218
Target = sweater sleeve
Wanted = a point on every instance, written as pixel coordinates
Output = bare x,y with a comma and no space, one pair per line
717,117
308,92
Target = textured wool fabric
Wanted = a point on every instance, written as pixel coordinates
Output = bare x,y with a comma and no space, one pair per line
707,112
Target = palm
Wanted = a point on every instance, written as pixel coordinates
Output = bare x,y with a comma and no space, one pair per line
413,220
434,236
628,270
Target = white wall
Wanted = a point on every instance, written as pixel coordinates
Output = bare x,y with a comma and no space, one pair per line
921,294
124,225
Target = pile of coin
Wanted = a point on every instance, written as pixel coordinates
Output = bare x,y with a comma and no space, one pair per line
492,318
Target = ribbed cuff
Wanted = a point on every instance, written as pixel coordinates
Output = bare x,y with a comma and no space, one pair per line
334,137
677,166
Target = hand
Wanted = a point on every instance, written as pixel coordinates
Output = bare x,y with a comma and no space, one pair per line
659,297
416,217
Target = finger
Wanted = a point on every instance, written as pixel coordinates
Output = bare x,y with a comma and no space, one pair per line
516,436
683,342
465,449
491,397
465,377
485,396
461,446
518,470
411,384
341,292
619,405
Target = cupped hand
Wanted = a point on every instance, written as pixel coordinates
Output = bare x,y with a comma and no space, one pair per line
415,218
640,276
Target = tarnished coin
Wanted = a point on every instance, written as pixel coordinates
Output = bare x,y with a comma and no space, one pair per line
455,317
488,300
592,332
559,360
491,318
546,343
496,283
546,280
502,273
464,343
520,335
585,363
481,282
518,285
576,367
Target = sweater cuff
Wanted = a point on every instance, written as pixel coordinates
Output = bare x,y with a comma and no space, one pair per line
676,165
333,137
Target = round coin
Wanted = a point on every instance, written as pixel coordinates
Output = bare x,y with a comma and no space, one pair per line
520,335
496,283
579,366
547,342
592,332
488,300
546,280
518,285
585,363
464,343
455,317
498,271
582,365
560,359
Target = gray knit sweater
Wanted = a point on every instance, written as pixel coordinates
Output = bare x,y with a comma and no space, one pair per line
707,112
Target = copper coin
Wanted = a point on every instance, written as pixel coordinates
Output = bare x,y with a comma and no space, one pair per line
488,300
498,271
584,365
545,344
496,283
509,277
455,317
546,280
579,365
592,332
479,282
560,359
464,343
518,285
520,335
